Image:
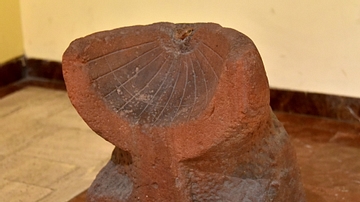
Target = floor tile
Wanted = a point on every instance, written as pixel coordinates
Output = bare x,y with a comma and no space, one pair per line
3,182
16,135
20,192
46,148
78,147
31,102
74,183
22,113
33,171
68,118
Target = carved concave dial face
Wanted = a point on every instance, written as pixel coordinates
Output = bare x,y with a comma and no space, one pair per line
159,80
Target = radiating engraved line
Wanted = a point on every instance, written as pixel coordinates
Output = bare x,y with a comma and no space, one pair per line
167,102
167,85
204,79
212,50
195,90
115,77
126,64
183,94
134,76
207,61
142,89
162,83
116,51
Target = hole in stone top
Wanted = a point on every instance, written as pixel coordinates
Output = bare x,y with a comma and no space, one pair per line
183,34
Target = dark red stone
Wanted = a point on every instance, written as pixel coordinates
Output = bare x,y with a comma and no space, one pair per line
187,108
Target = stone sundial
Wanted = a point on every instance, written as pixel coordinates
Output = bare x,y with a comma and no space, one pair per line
187,108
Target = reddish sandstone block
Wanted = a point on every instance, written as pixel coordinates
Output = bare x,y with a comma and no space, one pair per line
187,108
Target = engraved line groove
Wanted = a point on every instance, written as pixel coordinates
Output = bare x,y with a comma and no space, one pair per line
116,51
111,71
212,50
204,79
126,64
195,90
183,94
207,61
167,102
129,79
162,83
142,89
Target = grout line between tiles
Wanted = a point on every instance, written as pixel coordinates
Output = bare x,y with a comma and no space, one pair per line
31,184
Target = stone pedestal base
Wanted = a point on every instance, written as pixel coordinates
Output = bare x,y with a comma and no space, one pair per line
265,170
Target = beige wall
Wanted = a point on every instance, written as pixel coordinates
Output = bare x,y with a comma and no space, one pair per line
11,45
306,45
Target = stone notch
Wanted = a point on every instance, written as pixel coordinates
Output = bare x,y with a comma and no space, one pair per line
187,108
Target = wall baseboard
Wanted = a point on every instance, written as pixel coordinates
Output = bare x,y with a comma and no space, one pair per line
29,71
323,105
28,68
45,69
21,72
12,71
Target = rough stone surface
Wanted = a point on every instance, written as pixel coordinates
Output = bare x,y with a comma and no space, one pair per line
187,108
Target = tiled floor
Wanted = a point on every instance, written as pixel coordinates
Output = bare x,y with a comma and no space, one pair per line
328,153
47,153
